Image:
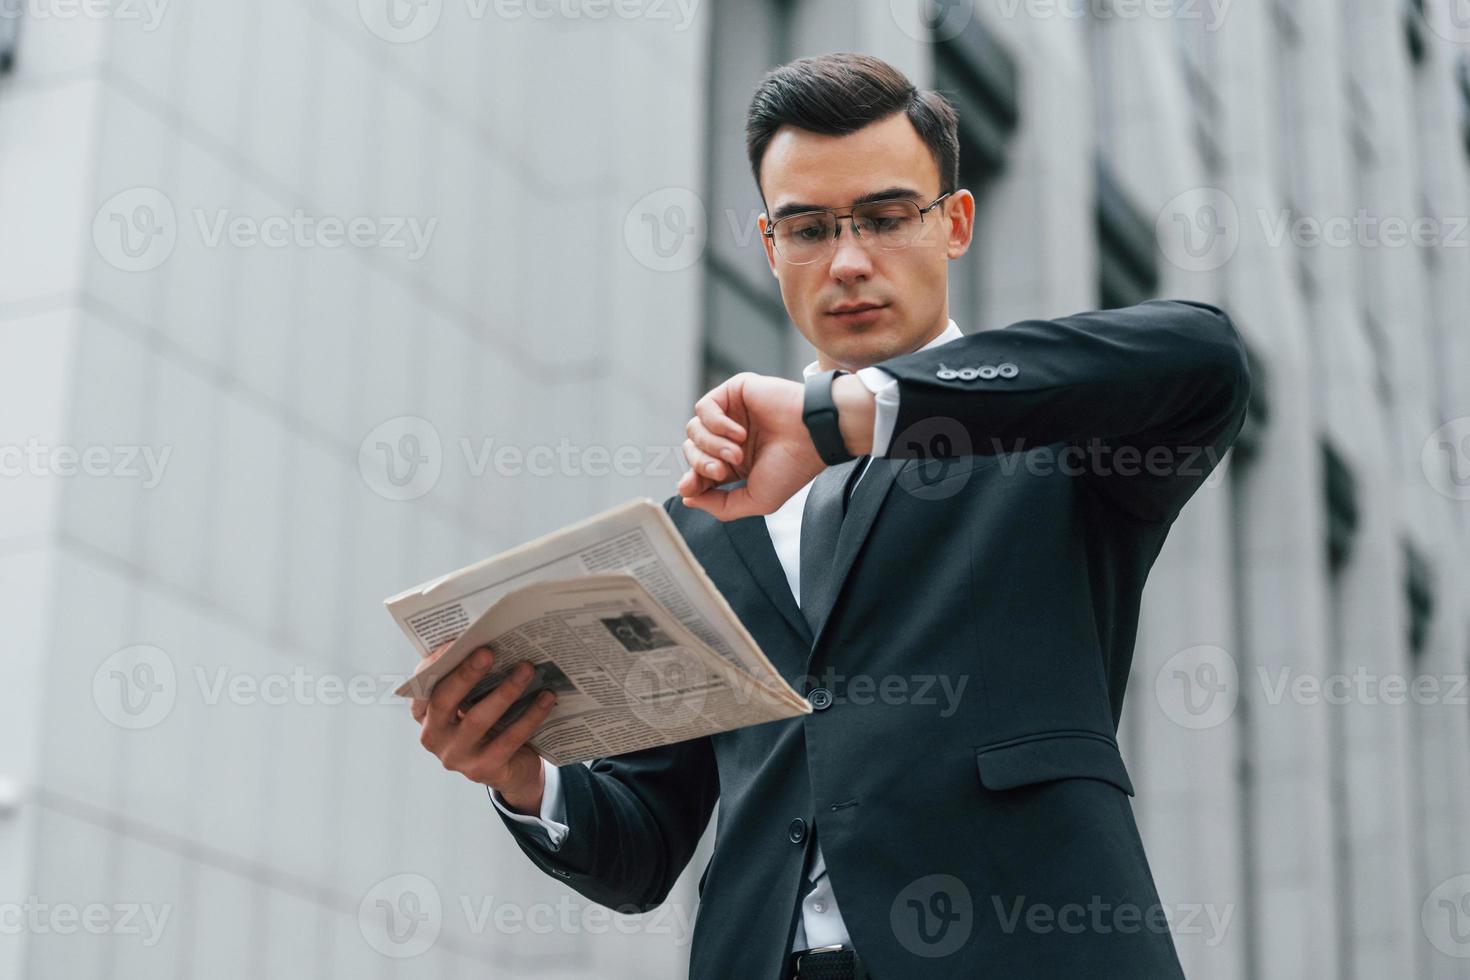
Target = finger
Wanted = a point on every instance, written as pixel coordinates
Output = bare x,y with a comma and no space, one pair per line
713,410
704,464
432,658
487,711
420,708
504,745
692,482
725,505
448,693
712,444
691,485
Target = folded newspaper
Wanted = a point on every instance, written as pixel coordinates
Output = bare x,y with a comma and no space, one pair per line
619,619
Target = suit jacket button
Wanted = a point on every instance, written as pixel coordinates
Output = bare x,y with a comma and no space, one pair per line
946,374
988,371
821,699
797,831
1009,370
968,374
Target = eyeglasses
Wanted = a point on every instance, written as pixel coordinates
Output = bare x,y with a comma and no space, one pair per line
810,236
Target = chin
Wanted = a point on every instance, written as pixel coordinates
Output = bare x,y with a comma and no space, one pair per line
864,349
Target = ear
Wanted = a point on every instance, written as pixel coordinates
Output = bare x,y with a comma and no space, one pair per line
959,213
762,223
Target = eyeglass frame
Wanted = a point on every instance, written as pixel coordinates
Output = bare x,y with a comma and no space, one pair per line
837,219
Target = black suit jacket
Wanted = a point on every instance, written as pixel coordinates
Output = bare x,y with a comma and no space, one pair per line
985,835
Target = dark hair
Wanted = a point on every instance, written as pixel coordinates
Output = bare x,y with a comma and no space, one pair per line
838,94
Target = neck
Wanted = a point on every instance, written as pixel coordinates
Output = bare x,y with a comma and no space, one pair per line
826,362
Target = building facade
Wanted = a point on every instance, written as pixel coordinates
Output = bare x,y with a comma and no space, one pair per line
304,303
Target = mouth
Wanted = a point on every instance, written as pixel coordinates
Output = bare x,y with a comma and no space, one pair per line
856,312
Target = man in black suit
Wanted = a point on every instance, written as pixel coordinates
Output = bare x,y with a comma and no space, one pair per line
944,551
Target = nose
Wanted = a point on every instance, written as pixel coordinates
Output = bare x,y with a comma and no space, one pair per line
850,260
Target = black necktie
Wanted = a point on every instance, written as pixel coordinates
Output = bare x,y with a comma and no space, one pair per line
821,522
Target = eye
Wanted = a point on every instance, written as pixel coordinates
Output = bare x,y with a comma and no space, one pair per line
806,231
887,218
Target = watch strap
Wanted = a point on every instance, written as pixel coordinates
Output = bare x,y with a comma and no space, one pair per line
819,412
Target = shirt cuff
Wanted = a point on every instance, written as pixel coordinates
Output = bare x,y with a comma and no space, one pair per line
884,387
553,807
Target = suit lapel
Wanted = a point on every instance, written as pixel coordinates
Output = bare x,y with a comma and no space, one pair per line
753,542
862,508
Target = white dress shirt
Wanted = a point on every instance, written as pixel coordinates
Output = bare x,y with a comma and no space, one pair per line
821,923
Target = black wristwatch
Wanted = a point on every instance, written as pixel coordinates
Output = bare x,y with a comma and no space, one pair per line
819,412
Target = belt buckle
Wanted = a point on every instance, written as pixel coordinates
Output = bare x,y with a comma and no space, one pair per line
836,947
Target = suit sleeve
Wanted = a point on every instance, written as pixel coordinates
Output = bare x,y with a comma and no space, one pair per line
633,822
1148,398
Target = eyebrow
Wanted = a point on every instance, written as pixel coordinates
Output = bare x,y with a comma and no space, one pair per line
786,210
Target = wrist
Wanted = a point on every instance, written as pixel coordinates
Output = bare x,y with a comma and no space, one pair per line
527,802
856,407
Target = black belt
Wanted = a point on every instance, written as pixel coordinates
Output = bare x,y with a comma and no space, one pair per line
826,963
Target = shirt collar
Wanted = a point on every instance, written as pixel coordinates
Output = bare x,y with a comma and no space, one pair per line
950,332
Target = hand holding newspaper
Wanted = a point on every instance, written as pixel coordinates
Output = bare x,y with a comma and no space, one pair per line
619,619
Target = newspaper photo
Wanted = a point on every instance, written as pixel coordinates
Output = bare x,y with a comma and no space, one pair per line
619,619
